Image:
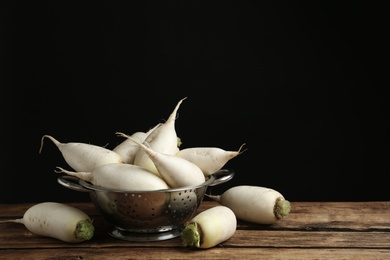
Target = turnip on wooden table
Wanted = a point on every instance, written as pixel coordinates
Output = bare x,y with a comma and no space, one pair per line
209,228
255,204
57,220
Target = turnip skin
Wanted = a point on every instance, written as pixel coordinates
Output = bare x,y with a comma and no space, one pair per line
120,176
128,149
163,139
175,171
59,221
209,228
255,204
209,159
83,156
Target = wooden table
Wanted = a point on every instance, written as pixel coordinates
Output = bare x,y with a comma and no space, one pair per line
312,230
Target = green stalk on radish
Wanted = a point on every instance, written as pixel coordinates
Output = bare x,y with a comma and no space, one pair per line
209,228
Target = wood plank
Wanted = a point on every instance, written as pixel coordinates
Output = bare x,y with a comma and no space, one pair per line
242,238
182,253
312,215
354,215
305,216
321,230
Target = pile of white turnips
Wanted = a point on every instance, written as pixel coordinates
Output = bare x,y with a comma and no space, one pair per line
153,160
148,160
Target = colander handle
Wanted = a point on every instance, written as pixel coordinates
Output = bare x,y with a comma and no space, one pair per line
222,176
71,182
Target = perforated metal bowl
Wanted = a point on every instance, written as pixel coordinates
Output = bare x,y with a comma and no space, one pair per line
146,215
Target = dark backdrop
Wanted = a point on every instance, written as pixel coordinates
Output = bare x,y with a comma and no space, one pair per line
300,83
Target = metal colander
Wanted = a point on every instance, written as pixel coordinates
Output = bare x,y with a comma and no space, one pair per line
146,215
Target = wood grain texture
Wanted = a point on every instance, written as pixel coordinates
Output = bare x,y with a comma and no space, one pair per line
312,230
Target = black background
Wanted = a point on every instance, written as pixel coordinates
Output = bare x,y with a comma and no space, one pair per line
302,84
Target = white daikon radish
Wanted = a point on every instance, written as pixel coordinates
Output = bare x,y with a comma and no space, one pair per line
177,172
128,149
209,159
83,156
255,204
120,176
59,221
209,228
163,140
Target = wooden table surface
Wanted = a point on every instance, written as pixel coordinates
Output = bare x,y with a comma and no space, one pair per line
312,230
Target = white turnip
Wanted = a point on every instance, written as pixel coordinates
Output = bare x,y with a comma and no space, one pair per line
163,139
209,228
177,172
120,176
57,220
128,149
83,156
209,159
255,204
